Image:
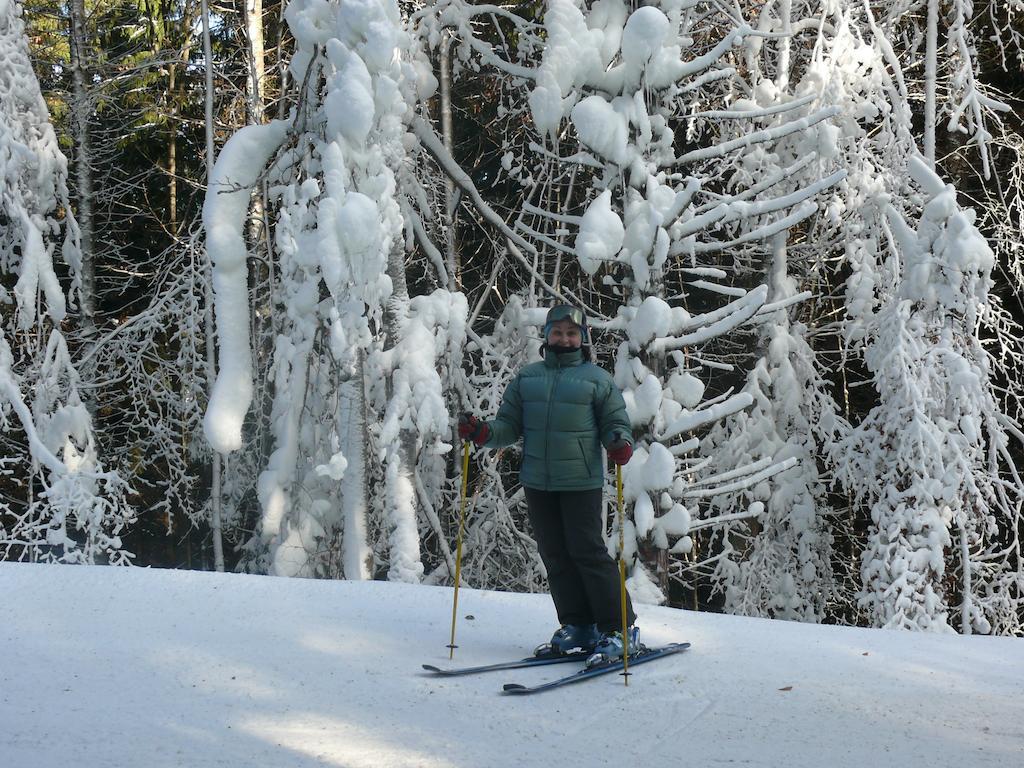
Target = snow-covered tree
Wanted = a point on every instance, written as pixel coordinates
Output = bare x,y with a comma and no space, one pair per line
147,374
806,130
358,403
955,96
627,171
737,194
852,64
778,563
945,498
60,504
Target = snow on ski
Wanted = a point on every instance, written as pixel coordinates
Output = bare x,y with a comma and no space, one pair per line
532,661
645,655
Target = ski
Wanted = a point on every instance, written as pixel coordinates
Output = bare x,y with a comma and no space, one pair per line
532,661
643,656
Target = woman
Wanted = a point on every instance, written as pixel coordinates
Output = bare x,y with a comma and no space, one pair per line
565,408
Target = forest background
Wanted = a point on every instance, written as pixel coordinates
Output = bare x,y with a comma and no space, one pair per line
795,226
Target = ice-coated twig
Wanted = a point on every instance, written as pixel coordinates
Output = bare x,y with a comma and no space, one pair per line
757,137
696,419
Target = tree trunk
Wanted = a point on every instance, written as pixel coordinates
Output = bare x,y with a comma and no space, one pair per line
259,235
81,109
172,150
447,133
930,67
782,73
211,364
351,426
253,13
400,469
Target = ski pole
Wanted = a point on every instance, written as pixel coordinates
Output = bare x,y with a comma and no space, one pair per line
458,544
622,575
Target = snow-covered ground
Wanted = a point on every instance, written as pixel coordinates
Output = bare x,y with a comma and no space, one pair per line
130,667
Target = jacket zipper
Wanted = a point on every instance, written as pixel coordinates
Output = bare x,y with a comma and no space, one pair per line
547,430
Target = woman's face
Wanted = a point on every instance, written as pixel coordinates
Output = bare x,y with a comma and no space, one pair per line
565,333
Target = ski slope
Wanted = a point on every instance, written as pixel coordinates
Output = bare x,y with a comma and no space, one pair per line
150,669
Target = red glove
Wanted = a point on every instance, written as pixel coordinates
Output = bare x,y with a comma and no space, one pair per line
471,428
619,451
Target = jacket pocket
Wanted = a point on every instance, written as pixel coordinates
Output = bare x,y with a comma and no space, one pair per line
583,453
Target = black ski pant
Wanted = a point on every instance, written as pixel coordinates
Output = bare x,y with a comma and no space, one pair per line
582,576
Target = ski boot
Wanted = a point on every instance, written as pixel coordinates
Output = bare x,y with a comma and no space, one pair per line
609,647
570,638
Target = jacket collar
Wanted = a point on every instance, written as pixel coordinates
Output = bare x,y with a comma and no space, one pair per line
566,360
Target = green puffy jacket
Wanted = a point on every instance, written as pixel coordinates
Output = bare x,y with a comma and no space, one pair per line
565,409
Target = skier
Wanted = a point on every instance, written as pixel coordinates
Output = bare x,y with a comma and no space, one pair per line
565,408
